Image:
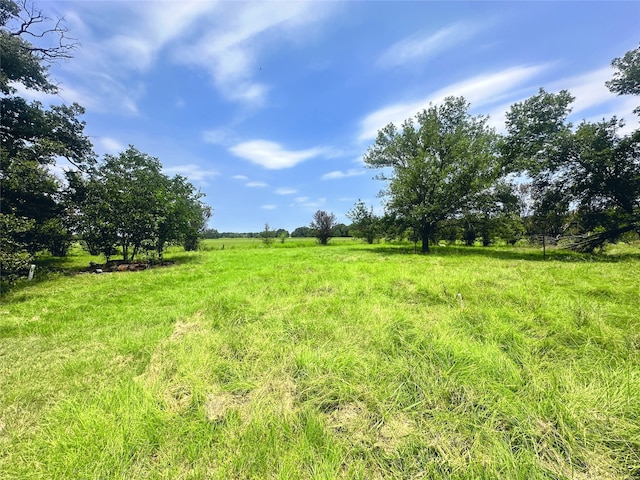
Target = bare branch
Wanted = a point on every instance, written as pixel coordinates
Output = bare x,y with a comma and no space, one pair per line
29,19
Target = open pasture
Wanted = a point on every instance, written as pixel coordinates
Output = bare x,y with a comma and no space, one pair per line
346,361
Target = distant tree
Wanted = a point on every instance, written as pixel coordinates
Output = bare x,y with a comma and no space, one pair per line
340,230
439,161
626,80
267,235
365,224
281,232
210,233
322,226
302,232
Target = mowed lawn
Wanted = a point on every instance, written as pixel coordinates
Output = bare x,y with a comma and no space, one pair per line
346,361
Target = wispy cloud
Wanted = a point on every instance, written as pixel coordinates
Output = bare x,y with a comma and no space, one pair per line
240,177
110,145
220,136
225,39
229,49
589,90
270,206
479,90
352,172
271,155
285,191
193,172
421,46
309,204
256,184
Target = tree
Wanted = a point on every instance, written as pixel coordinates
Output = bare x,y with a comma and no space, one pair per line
537,143
302,232
365,224
267,235
604,177
184,216
626,81
494,213
127,201
439,162
340,230
34,214
322,226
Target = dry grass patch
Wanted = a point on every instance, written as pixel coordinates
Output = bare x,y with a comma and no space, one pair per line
277,396
218,405
394,432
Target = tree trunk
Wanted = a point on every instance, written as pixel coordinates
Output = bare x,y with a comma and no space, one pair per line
424,234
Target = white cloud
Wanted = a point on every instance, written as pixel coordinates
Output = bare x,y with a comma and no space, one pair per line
150,27
193,172
589,90
240,177
226,39
479,90
309,204
339,174
235,37
268,207
416,47
285,191
219,136
110,145
271,155
256,184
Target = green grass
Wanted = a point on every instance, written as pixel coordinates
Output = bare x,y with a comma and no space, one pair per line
346,361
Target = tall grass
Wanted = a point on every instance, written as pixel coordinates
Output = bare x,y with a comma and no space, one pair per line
347,361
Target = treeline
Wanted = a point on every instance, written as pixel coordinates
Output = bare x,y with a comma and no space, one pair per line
122,202
449,175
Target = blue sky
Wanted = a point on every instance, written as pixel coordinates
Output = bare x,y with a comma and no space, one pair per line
268,107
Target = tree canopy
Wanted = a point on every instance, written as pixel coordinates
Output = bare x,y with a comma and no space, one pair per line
438,162
127,201
626,79
34,213
322,226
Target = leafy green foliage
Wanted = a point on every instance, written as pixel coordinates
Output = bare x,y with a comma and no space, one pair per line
14,256
626,79
438,162
365,224
322,226
33,137
128,201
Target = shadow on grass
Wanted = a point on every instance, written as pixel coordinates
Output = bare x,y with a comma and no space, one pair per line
503,253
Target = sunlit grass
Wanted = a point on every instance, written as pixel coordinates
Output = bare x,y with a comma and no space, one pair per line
346,361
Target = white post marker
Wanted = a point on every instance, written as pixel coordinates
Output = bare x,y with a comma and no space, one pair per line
32,270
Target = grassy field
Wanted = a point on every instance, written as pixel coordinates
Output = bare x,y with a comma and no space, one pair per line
346,361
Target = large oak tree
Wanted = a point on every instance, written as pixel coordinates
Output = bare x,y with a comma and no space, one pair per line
435,165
